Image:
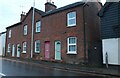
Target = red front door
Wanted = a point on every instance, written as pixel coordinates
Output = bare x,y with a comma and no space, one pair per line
47,49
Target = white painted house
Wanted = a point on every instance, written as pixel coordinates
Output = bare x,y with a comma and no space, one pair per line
2,43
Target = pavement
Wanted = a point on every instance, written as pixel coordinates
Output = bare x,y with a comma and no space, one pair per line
97,70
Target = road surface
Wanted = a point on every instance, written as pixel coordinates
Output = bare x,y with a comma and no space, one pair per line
9,68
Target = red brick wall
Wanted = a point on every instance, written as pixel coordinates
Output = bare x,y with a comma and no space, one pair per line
15,38
54,27
92,24
27,38
37,36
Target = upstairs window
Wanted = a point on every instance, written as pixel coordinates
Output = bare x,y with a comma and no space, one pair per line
37,46
71,19
10,33
24,47
8,47
25,29
38,26
72,45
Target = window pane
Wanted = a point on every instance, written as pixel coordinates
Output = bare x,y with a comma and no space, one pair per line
24,46
38,24
72,48
25,30
9,33
37,49
71,18
72,14
37,46
9,47
38,29
72,40
72,21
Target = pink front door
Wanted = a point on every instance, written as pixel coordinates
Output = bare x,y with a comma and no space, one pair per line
47,49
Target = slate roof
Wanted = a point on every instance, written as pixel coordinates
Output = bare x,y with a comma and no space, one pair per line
39,11
49,13
14,25
2,33
36,10
63,8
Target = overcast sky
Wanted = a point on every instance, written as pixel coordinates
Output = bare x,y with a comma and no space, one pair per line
10,10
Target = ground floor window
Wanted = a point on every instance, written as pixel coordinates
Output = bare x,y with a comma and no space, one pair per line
8,47
24,47
37,46
72,45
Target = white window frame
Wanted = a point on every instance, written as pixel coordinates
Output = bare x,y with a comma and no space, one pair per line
25,29
10,33
24,46
37,41
9,47
69,44
71,18
38,26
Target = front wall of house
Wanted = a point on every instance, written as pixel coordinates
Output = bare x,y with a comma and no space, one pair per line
26,38
92,33
15,39
55,28
37,35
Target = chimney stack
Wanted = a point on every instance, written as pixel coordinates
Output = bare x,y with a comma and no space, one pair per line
49,6
22,16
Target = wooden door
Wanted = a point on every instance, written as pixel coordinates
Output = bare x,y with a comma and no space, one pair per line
57,50
47,49
13,50
18,50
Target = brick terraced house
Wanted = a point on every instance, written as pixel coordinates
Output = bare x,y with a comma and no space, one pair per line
68,34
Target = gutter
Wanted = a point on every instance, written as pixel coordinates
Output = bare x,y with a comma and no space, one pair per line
32,34
84,29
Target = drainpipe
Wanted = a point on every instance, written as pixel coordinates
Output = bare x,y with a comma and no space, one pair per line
84,29
32,34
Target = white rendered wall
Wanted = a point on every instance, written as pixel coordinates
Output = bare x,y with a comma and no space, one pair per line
111,47
2,43
119,51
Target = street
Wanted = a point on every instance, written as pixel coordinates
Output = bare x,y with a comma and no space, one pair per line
10,68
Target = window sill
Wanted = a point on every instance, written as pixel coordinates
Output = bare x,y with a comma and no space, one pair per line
71,53
37,32
37,52
24,52
24,35
71,26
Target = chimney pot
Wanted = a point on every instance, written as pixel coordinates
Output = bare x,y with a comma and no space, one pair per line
49,6
22,16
